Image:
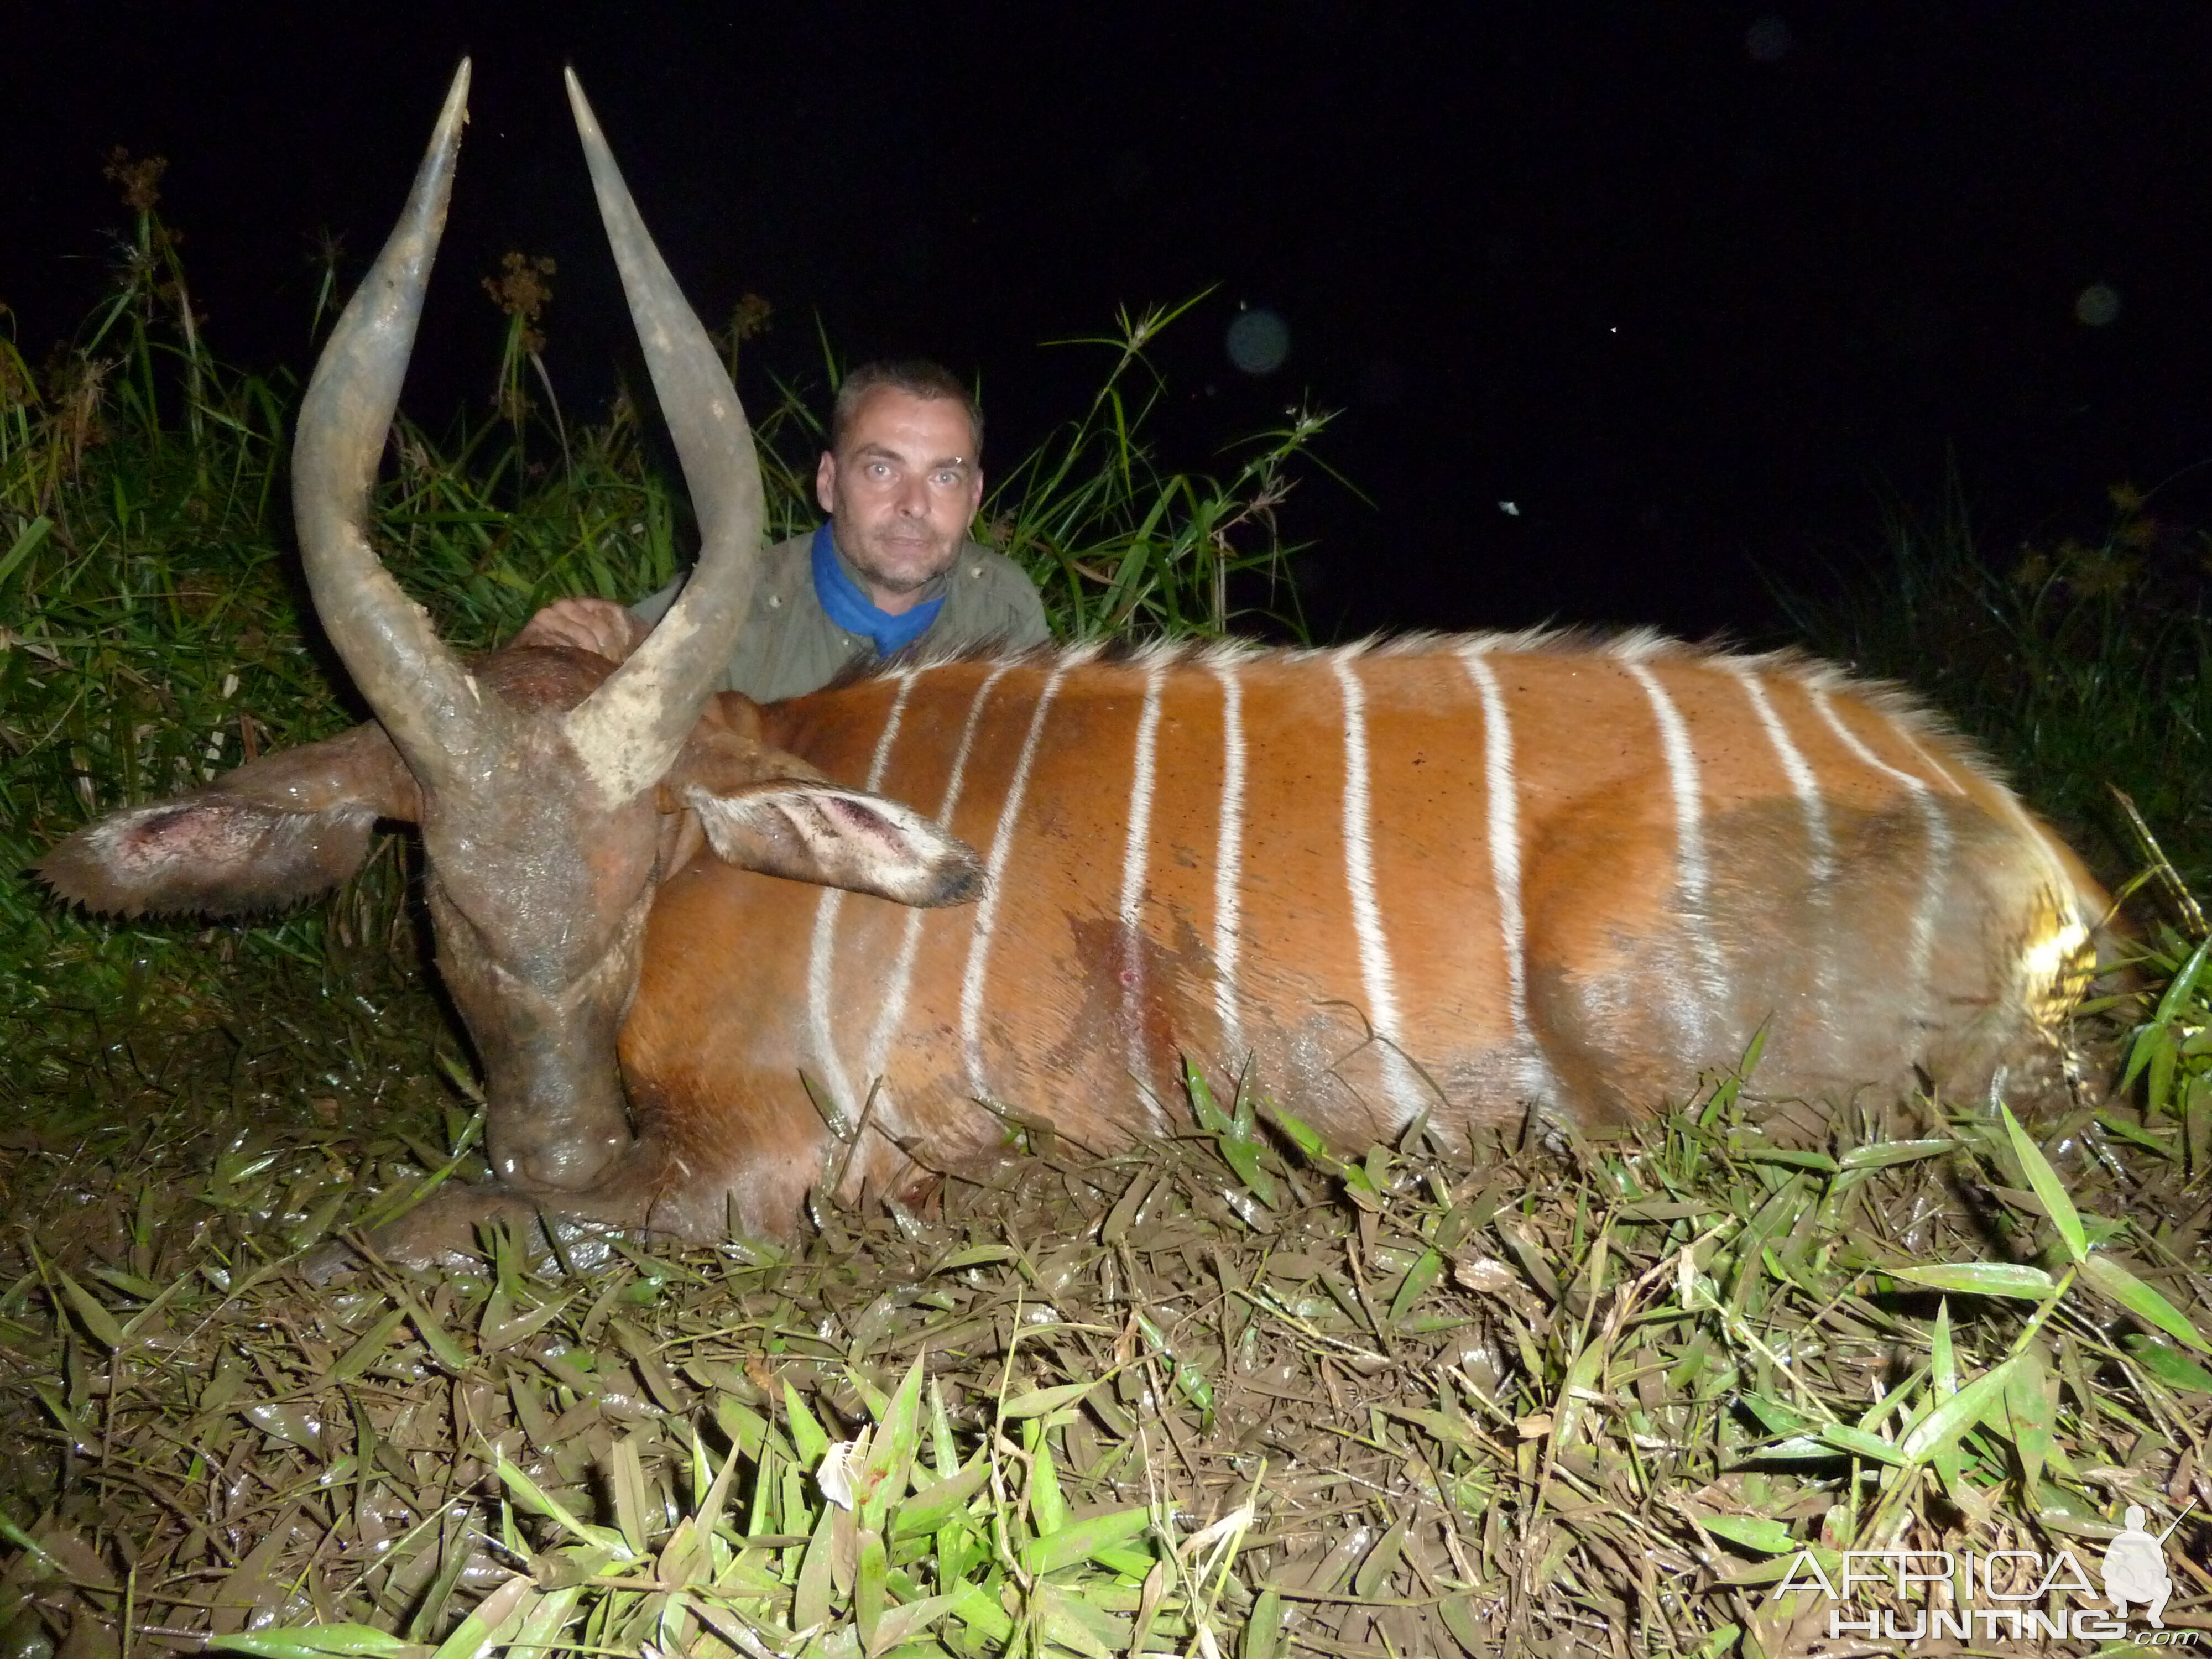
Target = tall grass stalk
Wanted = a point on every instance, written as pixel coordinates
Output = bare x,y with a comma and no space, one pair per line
1119,543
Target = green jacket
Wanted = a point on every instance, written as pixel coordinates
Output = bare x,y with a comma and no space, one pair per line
788,646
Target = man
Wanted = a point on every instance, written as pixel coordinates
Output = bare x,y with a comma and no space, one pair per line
901,482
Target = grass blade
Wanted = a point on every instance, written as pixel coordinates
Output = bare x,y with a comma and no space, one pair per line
2058,1203
2141,1300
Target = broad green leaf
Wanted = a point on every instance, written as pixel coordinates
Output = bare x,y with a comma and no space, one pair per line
97,1321
1301,1135
535,1498
503,1327
810,1600
1133,1565
2175,1370
1769,1537
877,1402
1066,1617
545,1620
1582,1381
2176,995
138,1288
25,545
901,1625
1951,1418
871,1591
1777,1418
983,1256
1203,1106
351,1639
1943,1384
1452,1431
435,1337
626,1475
890,1463
1459,1618
2028,1405
1048,1509
2141,1300
931,1507
1981,1279
717,1495
2073,1512
489,1620
44,1559
1264,1629
978,1609
1858,1441
2056,1203
808,1437
368,1348
1883,1153
2135,1134
1373,1577
1424,1273
1241,1154
1072,1542
1756,1153
1036,1402
943,1447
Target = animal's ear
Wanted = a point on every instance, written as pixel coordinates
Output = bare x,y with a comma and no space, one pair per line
273,832
810,830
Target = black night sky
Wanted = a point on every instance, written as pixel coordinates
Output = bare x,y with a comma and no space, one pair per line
1694,287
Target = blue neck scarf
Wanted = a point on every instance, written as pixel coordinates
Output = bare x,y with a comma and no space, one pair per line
848,605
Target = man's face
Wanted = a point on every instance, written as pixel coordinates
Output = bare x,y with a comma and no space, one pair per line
902,490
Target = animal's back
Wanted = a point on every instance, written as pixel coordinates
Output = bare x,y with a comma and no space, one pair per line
1463,876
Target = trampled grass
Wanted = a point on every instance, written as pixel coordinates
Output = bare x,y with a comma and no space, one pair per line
1228,1394
1223,1394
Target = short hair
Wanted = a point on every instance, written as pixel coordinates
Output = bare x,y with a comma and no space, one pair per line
917,377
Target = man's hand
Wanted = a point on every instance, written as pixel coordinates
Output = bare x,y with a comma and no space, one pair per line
600,625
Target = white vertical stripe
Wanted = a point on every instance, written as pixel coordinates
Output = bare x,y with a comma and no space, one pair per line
1229,866
1133,855
1942,776
820,952
2064,894
2064,897
1501,792
901,979
986,912
1693,873
1821,865
1939,844
1819,861
1376,975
